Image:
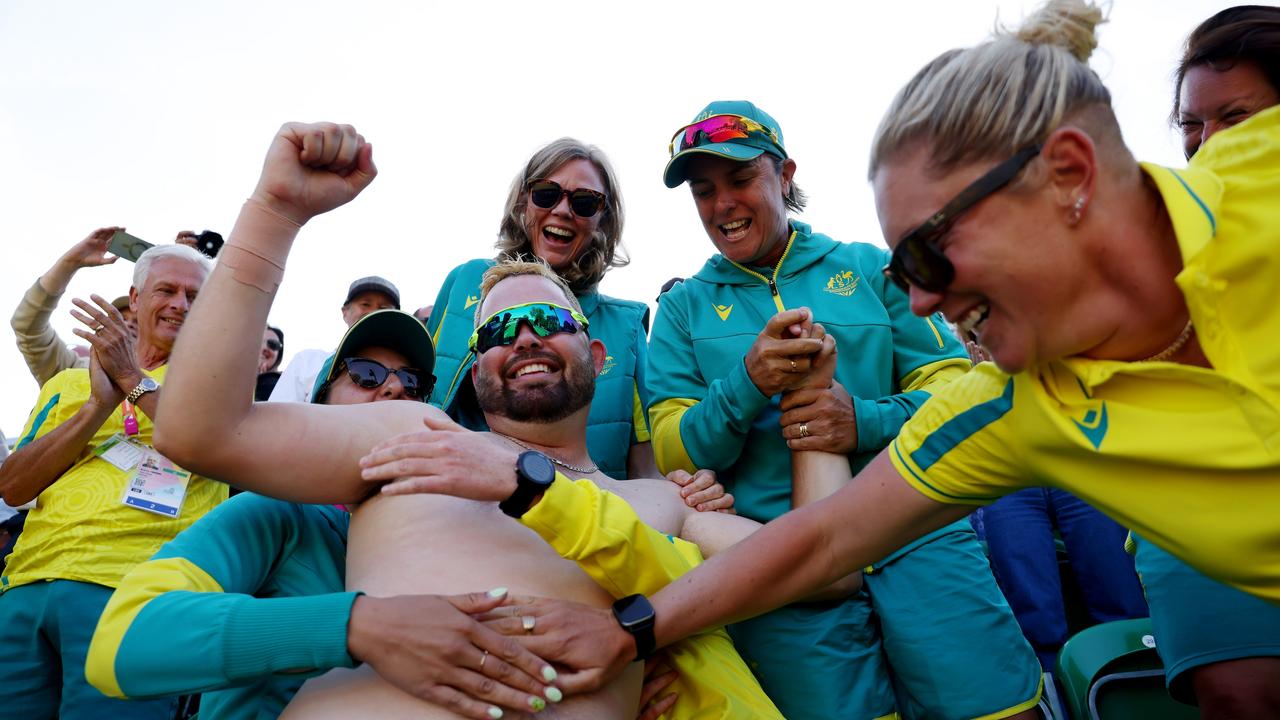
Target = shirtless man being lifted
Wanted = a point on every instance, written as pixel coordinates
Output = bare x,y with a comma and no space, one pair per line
311,453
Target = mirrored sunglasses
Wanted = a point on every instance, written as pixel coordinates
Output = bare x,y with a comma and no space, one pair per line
502,327
717,129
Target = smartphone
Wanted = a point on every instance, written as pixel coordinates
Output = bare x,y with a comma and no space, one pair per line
127,246
209,243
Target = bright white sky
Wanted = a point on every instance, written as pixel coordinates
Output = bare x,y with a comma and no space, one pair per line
156,115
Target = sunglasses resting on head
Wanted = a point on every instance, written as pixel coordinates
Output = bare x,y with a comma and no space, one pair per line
502,327
717,129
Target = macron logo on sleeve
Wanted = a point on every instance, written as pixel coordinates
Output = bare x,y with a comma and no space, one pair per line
1094,425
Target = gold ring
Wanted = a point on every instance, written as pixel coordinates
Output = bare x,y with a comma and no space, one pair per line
483,658
804,430
527,622
794,367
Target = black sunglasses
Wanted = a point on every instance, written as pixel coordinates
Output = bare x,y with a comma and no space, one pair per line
274,346
370,374
917,260
584,203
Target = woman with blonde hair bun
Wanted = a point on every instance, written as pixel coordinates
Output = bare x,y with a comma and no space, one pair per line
1128,308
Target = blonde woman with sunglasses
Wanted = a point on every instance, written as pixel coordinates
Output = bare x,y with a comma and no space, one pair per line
564,208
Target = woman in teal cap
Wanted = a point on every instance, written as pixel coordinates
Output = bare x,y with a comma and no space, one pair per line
931,636
564,208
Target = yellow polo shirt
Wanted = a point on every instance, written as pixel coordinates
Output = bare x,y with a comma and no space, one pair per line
602,533
1188,457
80,529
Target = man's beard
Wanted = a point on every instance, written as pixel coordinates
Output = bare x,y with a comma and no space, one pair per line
544,404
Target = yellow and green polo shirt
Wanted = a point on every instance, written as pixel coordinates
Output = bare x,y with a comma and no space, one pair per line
1188,457
602,533
80,530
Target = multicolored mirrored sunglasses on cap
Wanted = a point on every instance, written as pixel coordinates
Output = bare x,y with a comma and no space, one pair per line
717,129
543,318
546,194
370,374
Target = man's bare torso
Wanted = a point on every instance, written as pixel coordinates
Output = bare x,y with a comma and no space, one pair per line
415,544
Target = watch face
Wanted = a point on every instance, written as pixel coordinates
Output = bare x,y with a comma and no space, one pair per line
633,610
149,384
536,467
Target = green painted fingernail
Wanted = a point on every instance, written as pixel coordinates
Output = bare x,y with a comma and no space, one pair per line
495,712
497,593
537,703
548,673
554,694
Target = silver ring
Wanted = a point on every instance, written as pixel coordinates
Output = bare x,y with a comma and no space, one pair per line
528,622
804,430
483,658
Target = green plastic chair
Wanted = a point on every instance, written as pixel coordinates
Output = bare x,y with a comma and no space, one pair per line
1112,672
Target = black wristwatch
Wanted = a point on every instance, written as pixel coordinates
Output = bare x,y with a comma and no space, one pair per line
635,615
534,474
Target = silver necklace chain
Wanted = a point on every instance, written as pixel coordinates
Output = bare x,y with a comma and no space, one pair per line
556,460
1177,344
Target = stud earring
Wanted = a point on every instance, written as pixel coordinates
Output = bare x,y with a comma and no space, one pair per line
1077,209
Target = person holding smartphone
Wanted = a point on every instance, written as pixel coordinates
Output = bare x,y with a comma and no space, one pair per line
45,353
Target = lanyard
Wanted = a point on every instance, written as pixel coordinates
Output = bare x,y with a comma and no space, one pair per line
130,419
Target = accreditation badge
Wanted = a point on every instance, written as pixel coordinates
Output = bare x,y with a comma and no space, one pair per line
157,485
120,451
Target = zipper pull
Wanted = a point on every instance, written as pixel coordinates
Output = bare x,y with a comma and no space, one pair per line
773,287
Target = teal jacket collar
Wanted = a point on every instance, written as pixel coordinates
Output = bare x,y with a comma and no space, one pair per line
589,301
804,249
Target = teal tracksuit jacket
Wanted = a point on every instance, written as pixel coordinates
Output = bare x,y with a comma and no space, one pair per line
706,412
232,607
617,419
813,660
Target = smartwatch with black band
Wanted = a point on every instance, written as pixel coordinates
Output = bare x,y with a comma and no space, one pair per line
534,474
635,615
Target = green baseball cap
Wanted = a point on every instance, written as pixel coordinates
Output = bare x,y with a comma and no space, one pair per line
742,149
392,329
